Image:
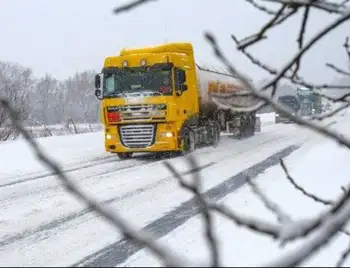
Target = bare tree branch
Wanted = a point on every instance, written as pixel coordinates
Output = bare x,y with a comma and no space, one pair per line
343,257
302,190
253,224
282,217
300,39
261,7
130,6
330,114
307,46
116,221
320,4
207,217
279,18
337,69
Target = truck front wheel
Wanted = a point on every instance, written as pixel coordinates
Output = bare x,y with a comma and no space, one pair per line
123,156
188,142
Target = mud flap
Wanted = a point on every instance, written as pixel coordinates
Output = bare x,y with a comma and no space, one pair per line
277,119
257,124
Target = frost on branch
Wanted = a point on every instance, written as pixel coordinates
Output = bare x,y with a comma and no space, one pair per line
318,229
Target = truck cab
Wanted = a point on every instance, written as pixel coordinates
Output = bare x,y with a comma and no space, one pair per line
292,103
149,99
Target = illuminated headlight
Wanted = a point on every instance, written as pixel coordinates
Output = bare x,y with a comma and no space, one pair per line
167,134
108,136
125,63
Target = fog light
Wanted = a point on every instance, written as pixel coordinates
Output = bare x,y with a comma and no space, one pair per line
167,134
108,136
159,113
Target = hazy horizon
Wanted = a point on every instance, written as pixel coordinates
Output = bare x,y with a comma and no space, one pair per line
61,37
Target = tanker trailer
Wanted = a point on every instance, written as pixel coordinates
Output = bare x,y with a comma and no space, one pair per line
216,100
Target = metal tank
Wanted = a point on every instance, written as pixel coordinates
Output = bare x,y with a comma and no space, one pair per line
219,87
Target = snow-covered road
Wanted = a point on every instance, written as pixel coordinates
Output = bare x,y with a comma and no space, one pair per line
43,225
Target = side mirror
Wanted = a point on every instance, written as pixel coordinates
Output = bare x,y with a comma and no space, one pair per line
182,77
178,93
97,82
183,87
98,93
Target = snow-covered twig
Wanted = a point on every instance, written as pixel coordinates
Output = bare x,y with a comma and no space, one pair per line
324,5
343,257
261,7
259,226
307,193
131,5
282,217
274,104
116,221
194,188
301,189
337,69
331,221
330,113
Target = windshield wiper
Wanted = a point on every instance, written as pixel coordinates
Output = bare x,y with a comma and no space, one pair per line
116,94
122,93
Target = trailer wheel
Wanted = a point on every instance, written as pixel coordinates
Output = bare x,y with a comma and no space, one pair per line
124,156
251,127
216,135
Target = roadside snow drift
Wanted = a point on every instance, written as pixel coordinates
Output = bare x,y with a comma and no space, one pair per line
320,166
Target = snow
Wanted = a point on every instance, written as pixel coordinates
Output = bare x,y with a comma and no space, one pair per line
267,118
320,165
43,225
80,148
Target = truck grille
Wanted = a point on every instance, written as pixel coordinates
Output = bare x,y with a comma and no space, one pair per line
137,136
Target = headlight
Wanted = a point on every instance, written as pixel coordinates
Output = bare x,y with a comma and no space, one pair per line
159,106
168,134
108,136
159,113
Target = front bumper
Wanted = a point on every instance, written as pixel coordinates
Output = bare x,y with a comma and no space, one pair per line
282,119
147,137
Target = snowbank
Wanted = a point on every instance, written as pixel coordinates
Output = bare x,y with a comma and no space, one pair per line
267,118
17,157
320,166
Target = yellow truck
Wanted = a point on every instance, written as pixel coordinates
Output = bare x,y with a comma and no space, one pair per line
156,99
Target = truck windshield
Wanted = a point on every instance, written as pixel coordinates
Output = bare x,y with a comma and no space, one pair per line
289,101
131,82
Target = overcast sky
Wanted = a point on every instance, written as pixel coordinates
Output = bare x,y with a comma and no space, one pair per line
63,36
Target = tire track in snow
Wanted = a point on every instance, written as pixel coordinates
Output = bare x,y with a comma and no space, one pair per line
55,223
43,229
91,164
120,251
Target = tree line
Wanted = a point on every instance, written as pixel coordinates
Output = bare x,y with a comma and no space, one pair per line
46,100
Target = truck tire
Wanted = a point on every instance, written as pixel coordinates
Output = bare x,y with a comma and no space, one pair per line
123,156
251,126
189,142
216,135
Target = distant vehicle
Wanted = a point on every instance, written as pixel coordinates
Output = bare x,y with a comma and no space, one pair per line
310,101
292,103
